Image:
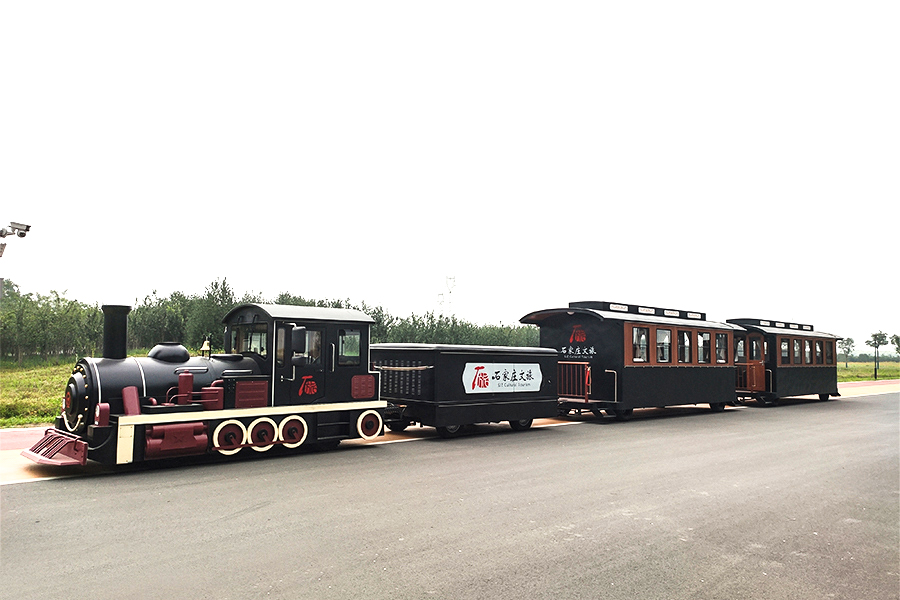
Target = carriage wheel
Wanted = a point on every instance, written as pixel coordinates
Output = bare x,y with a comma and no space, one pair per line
450,431
521,425
262,434
229,437
717,406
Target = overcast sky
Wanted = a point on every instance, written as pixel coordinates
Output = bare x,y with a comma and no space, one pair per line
739,159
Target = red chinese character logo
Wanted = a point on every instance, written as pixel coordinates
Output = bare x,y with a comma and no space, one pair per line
578,334
481,378
308,386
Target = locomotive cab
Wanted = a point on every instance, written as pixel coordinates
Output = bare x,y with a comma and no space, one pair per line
312,354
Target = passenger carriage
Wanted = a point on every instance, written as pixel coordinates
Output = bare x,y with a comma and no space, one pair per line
617,357
778,359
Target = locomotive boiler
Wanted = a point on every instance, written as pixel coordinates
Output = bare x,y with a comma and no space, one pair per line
290,376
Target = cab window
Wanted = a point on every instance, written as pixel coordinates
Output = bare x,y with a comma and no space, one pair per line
250,339
348,348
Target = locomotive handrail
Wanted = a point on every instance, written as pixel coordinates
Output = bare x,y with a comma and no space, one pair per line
420,368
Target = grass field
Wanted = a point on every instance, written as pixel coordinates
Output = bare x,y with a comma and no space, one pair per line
33,394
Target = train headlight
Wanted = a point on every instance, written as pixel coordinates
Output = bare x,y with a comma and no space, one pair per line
101,414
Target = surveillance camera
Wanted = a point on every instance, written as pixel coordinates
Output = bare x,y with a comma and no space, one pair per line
19,229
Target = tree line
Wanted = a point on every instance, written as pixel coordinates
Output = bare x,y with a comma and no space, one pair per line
53,325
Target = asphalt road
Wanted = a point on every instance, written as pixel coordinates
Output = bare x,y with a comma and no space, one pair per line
801,501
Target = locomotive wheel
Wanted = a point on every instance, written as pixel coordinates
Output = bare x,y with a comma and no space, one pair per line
521,425
262,433
717,406
369,425
229,437
450,431
292,431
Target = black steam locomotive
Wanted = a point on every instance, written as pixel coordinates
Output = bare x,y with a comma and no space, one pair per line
293,375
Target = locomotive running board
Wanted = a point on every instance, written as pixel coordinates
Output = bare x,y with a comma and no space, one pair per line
59,449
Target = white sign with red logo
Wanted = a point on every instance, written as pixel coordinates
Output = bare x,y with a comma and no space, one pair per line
493,378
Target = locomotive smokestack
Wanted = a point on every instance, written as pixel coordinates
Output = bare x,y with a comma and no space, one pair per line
115,330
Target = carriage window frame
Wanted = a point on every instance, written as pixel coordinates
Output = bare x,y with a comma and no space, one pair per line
640,344
798,351
722,348
664,346
685,343
819,352
829,352
807,352
704,347
785,350
669,345
757,348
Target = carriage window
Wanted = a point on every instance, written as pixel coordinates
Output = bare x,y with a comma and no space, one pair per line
721,347
785,351
703,347
819,353
798,352
739,350
808,345
640,337
348,348
663,345
684,346
829,353
756,349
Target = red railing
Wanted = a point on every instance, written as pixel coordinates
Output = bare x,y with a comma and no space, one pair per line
574,380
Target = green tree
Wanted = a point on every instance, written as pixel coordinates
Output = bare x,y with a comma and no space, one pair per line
205,314
876,341
895,340
846,346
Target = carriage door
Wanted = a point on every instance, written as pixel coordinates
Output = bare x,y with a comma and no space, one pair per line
299,366
748,360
